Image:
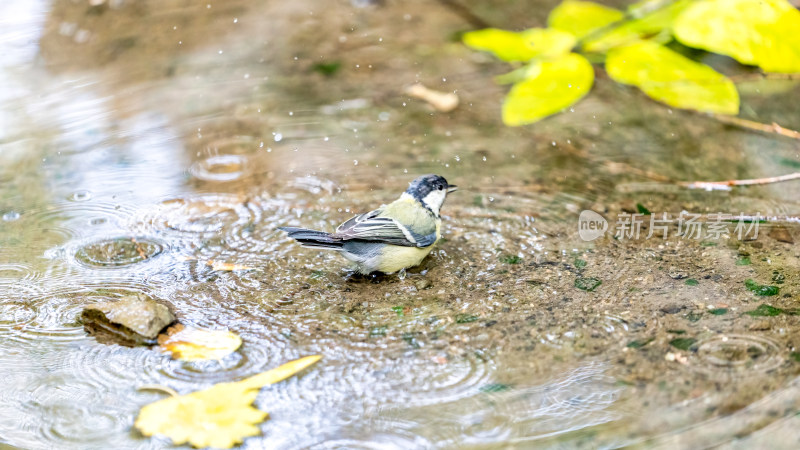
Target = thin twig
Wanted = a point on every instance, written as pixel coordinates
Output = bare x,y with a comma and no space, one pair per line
757,126
465,13
764,76
714,185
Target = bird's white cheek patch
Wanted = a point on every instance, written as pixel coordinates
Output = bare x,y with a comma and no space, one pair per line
434,200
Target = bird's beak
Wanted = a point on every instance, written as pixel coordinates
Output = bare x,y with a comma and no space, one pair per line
451,188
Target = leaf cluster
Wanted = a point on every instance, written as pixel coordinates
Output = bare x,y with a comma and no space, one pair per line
556,72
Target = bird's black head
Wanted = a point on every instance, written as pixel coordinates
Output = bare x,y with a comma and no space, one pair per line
430,190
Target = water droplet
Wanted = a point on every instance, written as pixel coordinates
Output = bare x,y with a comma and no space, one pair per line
325,139
291,113
355,162
80,196
278,137
235,20
10,216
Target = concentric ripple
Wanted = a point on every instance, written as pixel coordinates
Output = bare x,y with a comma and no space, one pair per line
740,353
117,252
13,273
201,216
220,168
214,226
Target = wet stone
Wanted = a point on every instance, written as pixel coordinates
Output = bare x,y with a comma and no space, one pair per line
760,325
671,309
132,320
781,234
677,274
423,284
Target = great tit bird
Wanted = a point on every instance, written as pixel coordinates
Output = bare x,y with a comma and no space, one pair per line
391,238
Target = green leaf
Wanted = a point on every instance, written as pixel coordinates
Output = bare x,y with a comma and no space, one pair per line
639,344
581,18
765,33
522,46
691,282
682,343
760,289
587,284
465,318
672,78
765,310
558,84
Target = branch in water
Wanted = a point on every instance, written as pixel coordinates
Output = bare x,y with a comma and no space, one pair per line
758,126
465,13
717,185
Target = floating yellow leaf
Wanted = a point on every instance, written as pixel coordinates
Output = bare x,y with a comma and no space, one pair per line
672,78
581,18
765,33
195,344
554,85
522,46
226,267
220,416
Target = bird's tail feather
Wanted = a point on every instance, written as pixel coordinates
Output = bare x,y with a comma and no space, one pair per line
313,238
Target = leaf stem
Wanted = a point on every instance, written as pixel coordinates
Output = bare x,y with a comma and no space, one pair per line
629,16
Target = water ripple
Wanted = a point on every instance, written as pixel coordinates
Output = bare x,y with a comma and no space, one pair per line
220,168
739,354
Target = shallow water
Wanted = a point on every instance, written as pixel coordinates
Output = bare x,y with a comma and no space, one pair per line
142,141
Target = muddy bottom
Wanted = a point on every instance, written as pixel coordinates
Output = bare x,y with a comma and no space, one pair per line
152,147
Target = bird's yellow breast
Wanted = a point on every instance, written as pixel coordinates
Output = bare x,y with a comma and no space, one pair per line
395,257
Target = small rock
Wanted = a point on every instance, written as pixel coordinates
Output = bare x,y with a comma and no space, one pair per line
781,234
743,251
132,320
423,284
671,309
677,274
760,325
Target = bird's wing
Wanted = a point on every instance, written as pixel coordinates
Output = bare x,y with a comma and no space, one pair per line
370,227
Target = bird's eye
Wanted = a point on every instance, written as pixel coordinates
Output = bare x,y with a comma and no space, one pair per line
441,187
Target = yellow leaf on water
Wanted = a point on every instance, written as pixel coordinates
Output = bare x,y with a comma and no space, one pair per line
226,267
672,78
220,416
554,85
765,33
195,344
580,18
521,46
